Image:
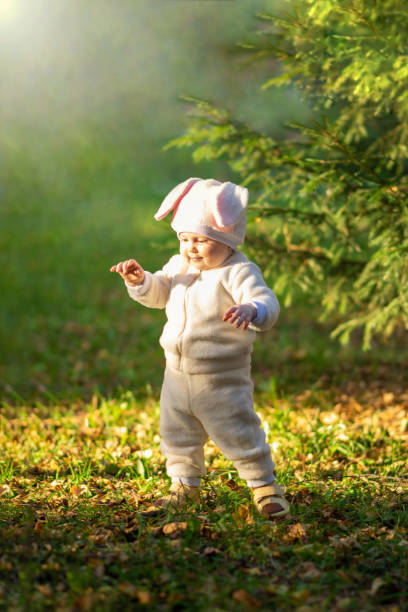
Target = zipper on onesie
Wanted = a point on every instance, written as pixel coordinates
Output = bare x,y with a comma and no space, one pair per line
180,338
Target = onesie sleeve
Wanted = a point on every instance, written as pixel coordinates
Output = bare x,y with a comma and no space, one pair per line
248,286
155,290
260,314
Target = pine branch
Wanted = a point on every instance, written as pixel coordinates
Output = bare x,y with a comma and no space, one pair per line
300,253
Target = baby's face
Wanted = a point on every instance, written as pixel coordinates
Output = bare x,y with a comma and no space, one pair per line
202,252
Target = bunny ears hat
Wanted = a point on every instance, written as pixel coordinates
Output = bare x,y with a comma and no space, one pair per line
207,207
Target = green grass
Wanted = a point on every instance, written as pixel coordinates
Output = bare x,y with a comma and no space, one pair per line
76,483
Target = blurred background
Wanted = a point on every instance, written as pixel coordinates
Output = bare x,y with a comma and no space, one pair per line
90,95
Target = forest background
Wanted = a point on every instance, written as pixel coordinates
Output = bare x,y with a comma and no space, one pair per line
89,97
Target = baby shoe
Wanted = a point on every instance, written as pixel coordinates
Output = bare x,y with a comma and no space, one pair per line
178,496
270,501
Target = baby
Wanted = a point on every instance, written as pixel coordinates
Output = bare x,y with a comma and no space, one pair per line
215,301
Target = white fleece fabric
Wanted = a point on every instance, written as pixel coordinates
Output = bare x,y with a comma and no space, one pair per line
194,407
207,389
195,339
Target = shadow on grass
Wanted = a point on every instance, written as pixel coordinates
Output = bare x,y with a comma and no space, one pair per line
344,545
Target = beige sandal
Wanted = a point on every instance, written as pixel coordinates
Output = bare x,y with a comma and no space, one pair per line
179,495
270,501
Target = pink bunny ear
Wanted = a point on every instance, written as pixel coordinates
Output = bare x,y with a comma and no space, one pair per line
173,199
230,202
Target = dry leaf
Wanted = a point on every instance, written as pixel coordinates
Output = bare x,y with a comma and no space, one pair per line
388,398
78,490
308,571
343,543
144,597
211,550
85,602
253,571
39,527
343,602
174,528
296,532
5,566
376,585
45,590
135,592
99,539
98,567
243,514
5,490
243,597
231,484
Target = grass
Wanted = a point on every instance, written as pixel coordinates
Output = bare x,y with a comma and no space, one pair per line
80,461
75,484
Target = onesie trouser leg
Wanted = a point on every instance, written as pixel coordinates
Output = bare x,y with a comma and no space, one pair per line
216,405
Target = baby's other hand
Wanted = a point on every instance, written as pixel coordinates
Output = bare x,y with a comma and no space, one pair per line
130,271
242,314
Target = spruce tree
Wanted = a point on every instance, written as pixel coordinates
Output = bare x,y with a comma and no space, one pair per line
329,203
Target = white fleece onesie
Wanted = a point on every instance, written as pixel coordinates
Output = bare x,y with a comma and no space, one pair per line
207,389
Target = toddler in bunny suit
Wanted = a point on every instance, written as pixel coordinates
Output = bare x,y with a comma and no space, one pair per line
215,301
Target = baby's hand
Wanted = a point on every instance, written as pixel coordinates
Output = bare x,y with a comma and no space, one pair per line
244,313
130,271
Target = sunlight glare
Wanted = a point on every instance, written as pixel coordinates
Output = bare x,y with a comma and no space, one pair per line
8,9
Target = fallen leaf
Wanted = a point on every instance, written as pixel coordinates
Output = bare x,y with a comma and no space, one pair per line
343,602
301,595
388,398
85,602
51,565
135,592
99,539
243,597
281,589
39,527
78,490
253,571
308,571
231,484
376,585
211,550
243,514
174,528
206,530
98,567
343,543
5,566
45,590
150,511
296,532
